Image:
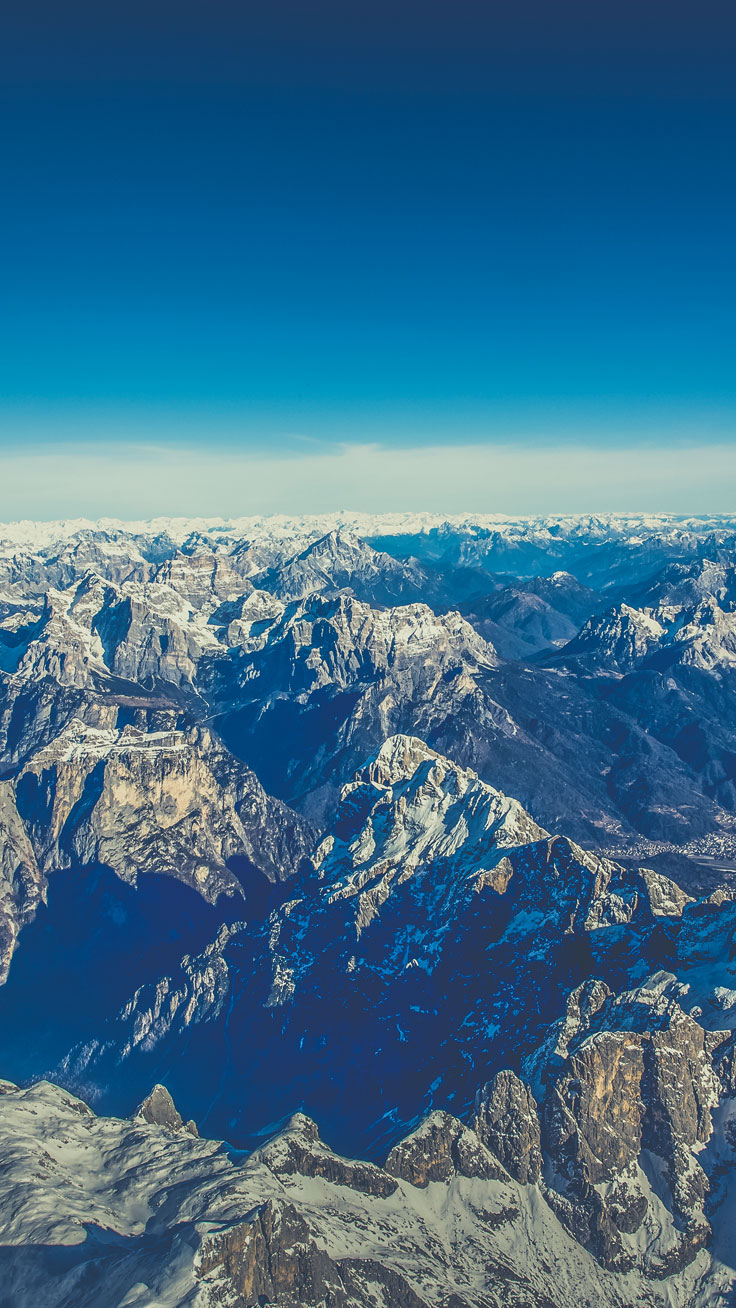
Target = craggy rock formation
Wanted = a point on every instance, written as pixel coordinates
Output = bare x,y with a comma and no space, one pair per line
549,1096
439,1149
438,926
167,802
507,1122
310,641
622,1078
298,1150
271,1257
159,1109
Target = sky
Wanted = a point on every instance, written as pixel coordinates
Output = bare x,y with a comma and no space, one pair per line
298,256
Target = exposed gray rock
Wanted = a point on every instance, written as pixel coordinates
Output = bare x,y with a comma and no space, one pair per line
171,803
624,1075
506,1121
271,1257
438,924
97,1211
299,1150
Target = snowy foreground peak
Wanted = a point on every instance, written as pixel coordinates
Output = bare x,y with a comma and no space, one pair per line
109,1213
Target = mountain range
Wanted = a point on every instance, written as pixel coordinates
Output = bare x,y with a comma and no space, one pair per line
418,835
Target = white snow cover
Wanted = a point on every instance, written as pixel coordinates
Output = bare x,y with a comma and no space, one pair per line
108,1213
43,535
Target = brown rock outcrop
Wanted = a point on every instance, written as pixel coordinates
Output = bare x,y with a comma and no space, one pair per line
440,1148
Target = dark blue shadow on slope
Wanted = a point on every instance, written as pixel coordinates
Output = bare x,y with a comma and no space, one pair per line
96,941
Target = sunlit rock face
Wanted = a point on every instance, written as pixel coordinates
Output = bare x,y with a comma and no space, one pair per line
169,803
583,665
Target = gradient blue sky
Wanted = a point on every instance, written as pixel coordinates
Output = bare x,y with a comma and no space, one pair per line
263,234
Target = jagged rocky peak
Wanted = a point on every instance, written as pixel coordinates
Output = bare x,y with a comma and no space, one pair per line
342,561
507,1122
330,562
410,811
340,543
249,620
416,805
298,1150
159,1109
617,639
441,1148
95,629
666,898
344,640
145,1213
624,1079
705,637
397,760
699,634
441,915
683,584
201,575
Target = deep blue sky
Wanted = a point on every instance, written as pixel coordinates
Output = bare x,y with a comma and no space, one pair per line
280,225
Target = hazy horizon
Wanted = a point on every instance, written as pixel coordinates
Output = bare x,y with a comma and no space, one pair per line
143,482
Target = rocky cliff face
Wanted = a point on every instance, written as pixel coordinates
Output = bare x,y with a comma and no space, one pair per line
507,1121
159,1109
170,803
700,635
351,672
341,561
442,928
310,646
628,1084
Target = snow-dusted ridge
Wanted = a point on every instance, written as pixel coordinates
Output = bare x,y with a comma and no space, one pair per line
107,1213
440,927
